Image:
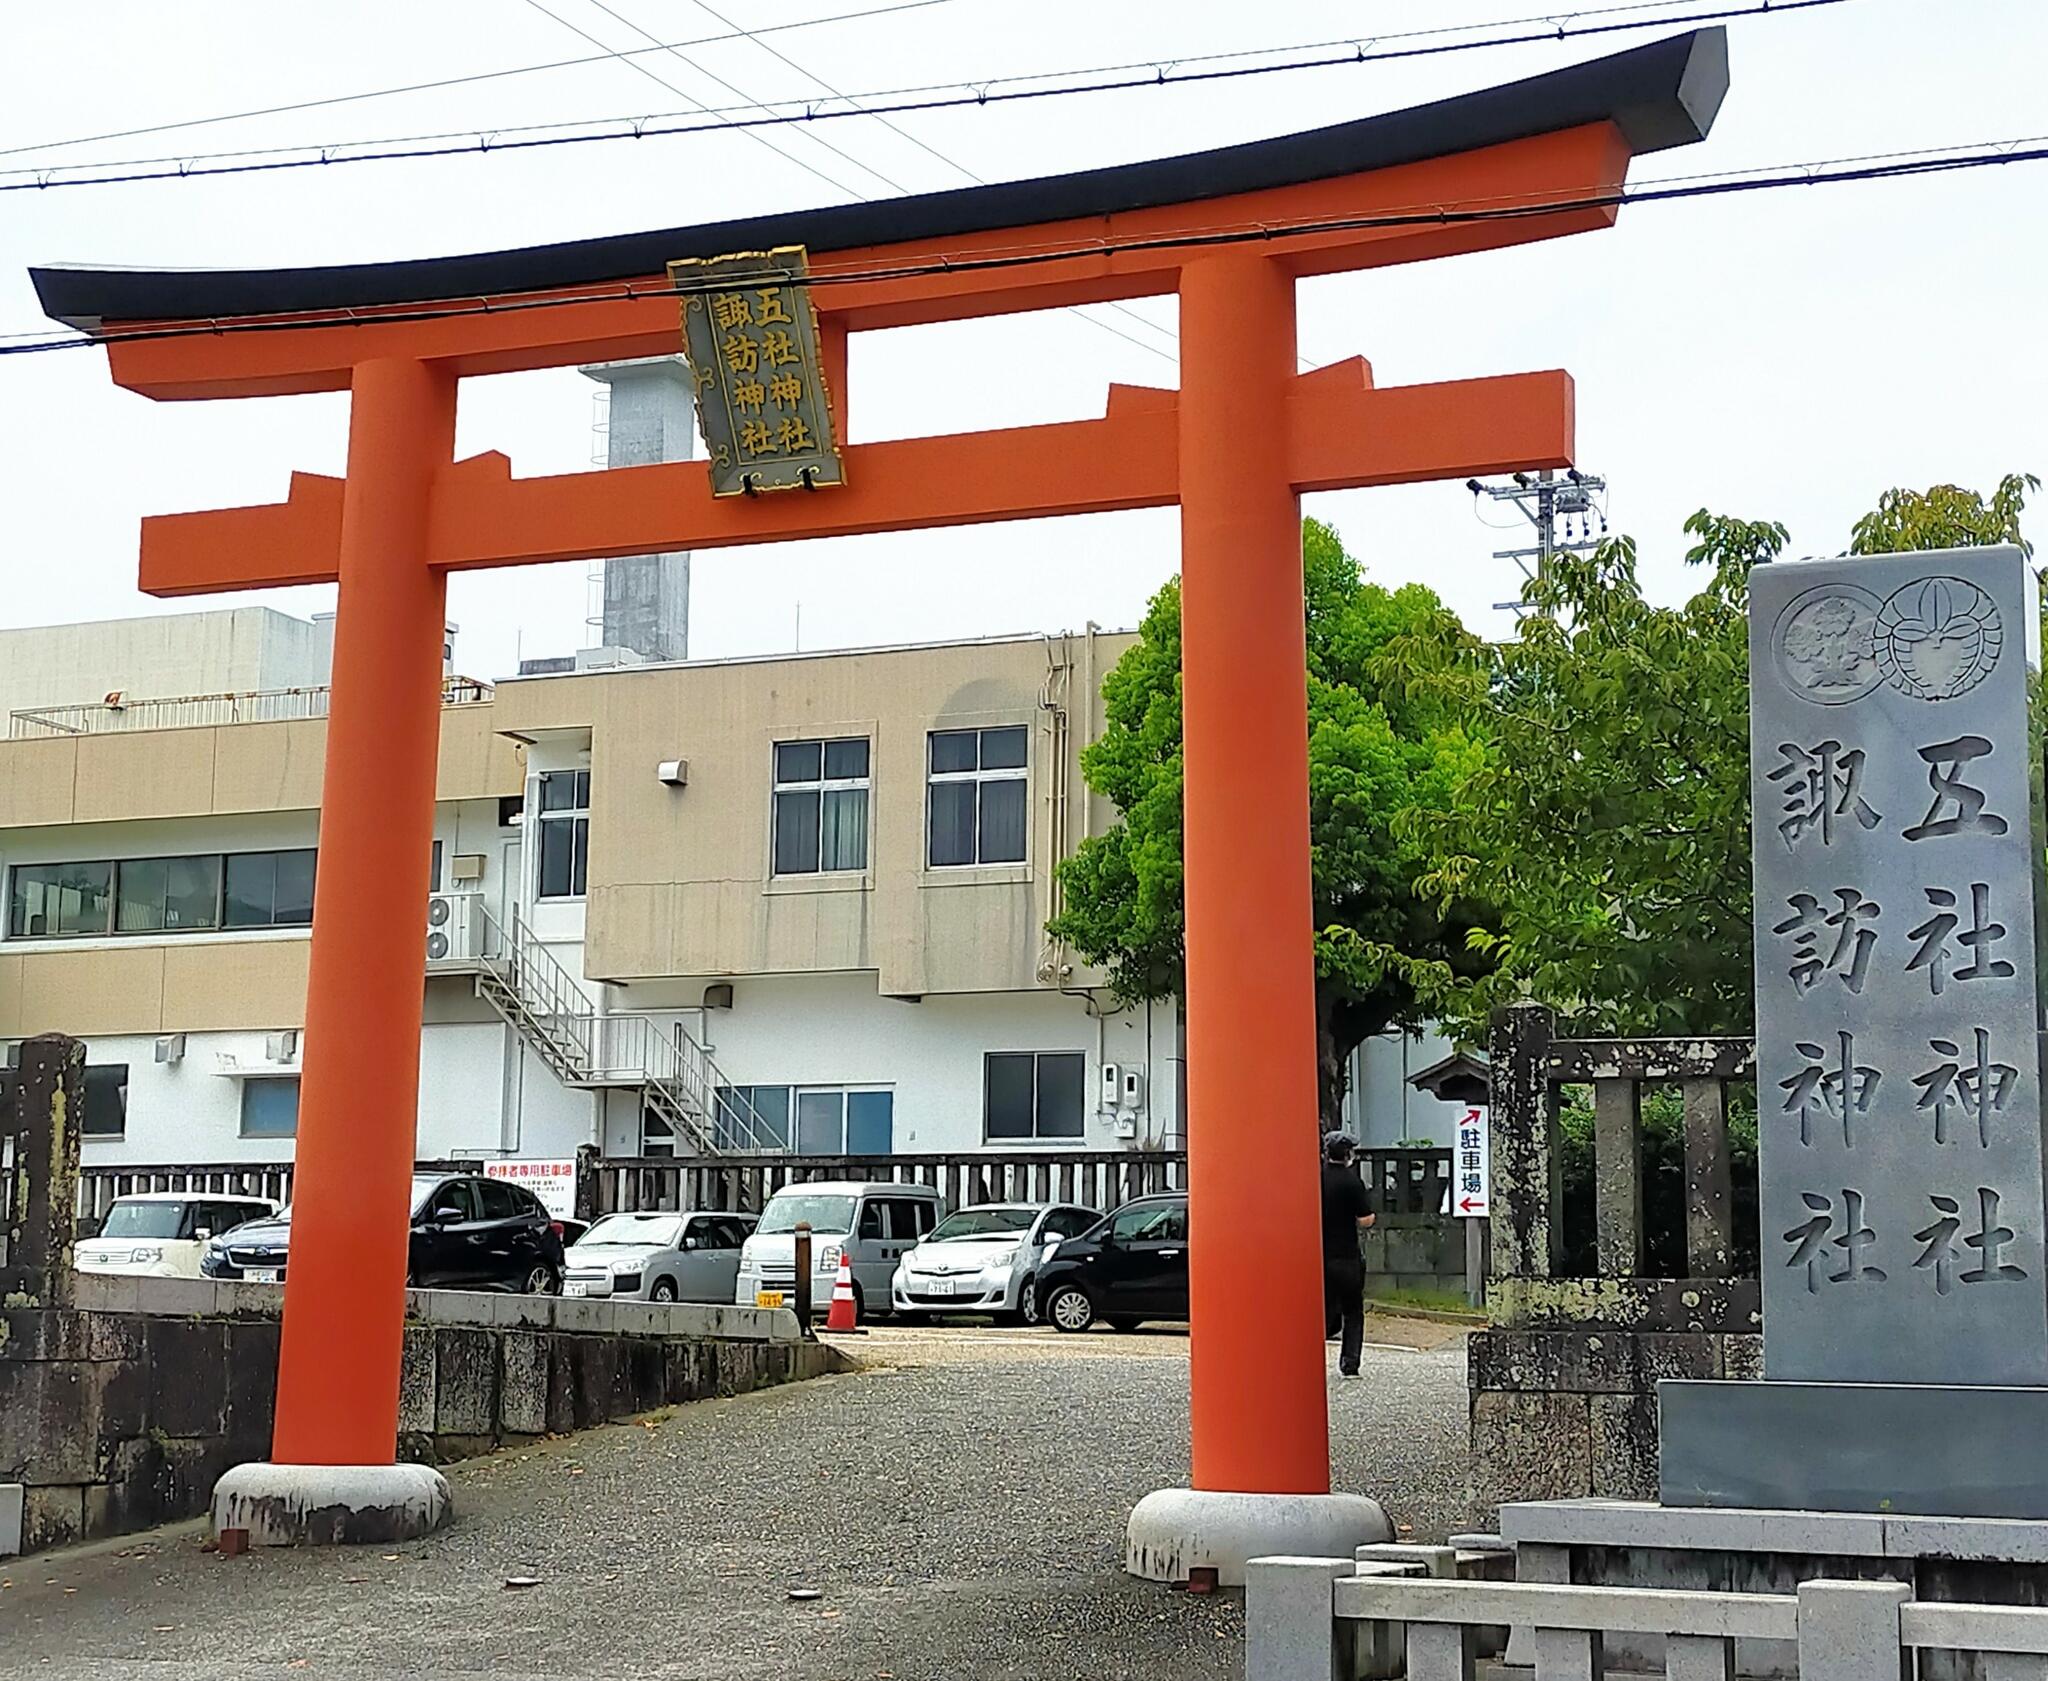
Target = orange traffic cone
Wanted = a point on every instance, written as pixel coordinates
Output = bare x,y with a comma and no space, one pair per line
844,1313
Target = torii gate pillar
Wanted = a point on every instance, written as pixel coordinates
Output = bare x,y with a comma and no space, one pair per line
1259,1415
1252,1184
360,1086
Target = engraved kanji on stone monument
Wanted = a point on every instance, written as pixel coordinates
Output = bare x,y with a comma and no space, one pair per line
1897,844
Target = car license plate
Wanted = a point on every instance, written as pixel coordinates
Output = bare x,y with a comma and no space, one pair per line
262,1275
768,1298
940,1287
574,1287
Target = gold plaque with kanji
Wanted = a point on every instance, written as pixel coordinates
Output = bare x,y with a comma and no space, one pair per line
750,336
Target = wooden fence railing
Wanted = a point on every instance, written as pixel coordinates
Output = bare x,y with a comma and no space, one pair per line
99,1185
1409,1185
1408,1182
1100,1179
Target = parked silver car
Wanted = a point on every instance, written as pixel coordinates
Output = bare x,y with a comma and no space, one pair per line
984,1259
656,1257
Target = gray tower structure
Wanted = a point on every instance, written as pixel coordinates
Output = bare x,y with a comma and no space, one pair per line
647,597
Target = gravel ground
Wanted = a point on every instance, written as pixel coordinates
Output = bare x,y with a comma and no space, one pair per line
959,1505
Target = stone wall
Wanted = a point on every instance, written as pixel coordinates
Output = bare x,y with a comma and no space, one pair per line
1414,1252
1563,1382
1563,1385
114,1419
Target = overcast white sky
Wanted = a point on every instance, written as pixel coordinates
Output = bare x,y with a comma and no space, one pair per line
1784,355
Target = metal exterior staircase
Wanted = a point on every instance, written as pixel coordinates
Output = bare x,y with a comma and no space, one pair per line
677,1079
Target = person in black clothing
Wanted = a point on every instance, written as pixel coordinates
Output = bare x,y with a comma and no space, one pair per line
1346,1213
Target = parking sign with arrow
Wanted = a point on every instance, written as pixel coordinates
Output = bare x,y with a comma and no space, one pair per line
1471,1167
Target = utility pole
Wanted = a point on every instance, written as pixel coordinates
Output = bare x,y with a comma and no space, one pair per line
1566,518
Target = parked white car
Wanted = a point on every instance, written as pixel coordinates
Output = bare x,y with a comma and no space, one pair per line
161,1234
985,1259
655,1257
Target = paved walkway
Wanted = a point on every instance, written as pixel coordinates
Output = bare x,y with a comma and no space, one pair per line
959,1507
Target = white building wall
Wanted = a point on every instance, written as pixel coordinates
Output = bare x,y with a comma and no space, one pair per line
1382,1108
189,1112
227,651
836,1030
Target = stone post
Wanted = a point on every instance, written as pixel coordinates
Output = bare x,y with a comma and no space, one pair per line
42,1118
586,1182
1528,1171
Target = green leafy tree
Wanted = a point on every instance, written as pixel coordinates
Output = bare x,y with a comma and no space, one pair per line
1608,822
1946,517
1391,678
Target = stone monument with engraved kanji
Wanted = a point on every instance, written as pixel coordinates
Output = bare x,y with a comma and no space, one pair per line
1896,804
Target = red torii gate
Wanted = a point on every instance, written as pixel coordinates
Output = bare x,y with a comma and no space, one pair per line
1230,231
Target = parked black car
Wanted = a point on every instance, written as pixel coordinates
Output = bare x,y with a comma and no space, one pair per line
468,1233
1131,1267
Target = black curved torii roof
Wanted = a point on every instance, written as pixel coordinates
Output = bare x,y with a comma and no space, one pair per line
1660,95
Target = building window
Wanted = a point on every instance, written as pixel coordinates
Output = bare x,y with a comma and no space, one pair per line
163,895
270,889
832,1121
752,1118
821,806
1032,1095
106,1101
185,895
105,1112
270,1108
564,833
48,900
829,1120
976,810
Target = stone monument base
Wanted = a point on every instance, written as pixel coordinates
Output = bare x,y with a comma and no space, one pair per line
1624,1543
1967,1452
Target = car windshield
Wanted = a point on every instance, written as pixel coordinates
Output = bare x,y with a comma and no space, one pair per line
423,1186
144,1219
982,1222
825,1213
631,1228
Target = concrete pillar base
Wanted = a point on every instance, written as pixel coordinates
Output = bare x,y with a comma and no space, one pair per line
331,1505
1177,1530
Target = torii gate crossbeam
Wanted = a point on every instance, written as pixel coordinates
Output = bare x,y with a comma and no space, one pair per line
1230,232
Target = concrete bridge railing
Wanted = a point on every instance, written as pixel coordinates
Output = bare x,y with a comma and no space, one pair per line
1313,1619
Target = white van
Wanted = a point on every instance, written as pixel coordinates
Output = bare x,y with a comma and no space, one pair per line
159,1234
872,1222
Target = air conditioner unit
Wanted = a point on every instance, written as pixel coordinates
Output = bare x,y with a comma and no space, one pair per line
455,927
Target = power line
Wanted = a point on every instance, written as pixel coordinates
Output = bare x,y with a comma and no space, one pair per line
762,106
662,81
2005,152
457,81
889,102
951,163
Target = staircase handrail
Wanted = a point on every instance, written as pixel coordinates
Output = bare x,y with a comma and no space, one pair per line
545,989
625,1047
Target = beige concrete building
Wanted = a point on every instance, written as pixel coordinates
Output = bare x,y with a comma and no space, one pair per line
793,903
